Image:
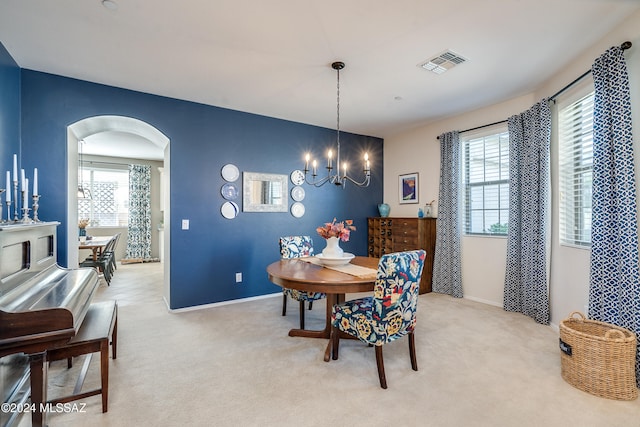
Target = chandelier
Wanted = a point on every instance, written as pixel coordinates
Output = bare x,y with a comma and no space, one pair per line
339,177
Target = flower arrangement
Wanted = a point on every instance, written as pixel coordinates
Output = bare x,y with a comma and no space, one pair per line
83,223
341,230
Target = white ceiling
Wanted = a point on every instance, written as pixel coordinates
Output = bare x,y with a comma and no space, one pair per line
273,57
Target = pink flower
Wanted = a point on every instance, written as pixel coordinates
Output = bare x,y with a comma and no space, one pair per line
342,229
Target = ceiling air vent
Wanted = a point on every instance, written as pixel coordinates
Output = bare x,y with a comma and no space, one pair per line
443,62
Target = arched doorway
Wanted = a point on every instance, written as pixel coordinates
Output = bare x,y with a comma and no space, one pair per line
135,136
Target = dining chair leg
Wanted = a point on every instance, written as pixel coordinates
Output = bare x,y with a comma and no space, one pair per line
310,305
412,351
301,314
335,342
380,363
284,304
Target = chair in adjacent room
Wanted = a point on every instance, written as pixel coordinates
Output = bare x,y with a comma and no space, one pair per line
111,253
296,247
387,315
106,262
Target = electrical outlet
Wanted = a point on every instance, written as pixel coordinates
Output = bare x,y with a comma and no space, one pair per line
185,224
238,277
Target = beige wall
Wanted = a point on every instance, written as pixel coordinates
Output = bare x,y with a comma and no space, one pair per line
483,258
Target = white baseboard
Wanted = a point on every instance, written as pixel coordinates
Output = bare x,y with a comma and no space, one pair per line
484,301
218,304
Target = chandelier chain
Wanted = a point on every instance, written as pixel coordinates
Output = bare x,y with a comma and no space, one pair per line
338,110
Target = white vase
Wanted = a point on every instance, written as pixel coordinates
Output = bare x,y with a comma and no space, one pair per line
333,249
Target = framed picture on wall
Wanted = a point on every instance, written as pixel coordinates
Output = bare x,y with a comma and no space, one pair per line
408,188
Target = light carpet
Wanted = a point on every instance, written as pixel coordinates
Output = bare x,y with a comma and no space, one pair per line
235,365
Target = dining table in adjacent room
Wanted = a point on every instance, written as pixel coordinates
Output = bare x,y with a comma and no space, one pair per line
308,274
96,244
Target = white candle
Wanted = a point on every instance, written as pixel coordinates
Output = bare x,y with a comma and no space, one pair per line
22,179
8,194
15,168
25,202
35,181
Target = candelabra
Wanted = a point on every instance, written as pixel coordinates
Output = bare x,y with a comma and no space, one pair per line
8,202
36,198
25,216
2,190
15,201
25,209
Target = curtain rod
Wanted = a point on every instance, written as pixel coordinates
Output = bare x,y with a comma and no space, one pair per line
479,127
93,162
624,46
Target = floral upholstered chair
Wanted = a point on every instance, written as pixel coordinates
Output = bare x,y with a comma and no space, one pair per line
389,314
296,247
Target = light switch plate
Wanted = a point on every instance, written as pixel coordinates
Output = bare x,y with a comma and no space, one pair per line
185,224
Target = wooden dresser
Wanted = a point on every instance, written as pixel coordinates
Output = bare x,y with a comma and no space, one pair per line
386,235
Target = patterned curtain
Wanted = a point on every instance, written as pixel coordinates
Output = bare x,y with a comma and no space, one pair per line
614,293
526,278
447,269
139,240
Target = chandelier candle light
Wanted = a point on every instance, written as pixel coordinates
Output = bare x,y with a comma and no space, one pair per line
339,178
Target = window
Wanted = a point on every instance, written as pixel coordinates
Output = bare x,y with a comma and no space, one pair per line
575,134
486,183
109,202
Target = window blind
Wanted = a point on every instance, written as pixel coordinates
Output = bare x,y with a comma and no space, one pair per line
487,184
575,131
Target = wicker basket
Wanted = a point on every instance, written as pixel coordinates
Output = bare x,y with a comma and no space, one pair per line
598,357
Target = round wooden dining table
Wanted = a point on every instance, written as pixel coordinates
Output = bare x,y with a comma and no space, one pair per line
297,274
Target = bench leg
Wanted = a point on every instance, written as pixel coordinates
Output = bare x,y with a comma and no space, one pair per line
114,337
104,373
38,369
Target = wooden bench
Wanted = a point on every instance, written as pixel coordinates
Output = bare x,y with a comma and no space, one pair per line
99,326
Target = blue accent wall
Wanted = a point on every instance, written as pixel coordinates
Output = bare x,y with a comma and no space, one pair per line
205,258
9,115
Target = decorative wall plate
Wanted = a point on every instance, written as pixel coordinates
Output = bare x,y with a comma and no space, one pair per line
297,177
297,209
229,191
229,210
297,193
230,172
